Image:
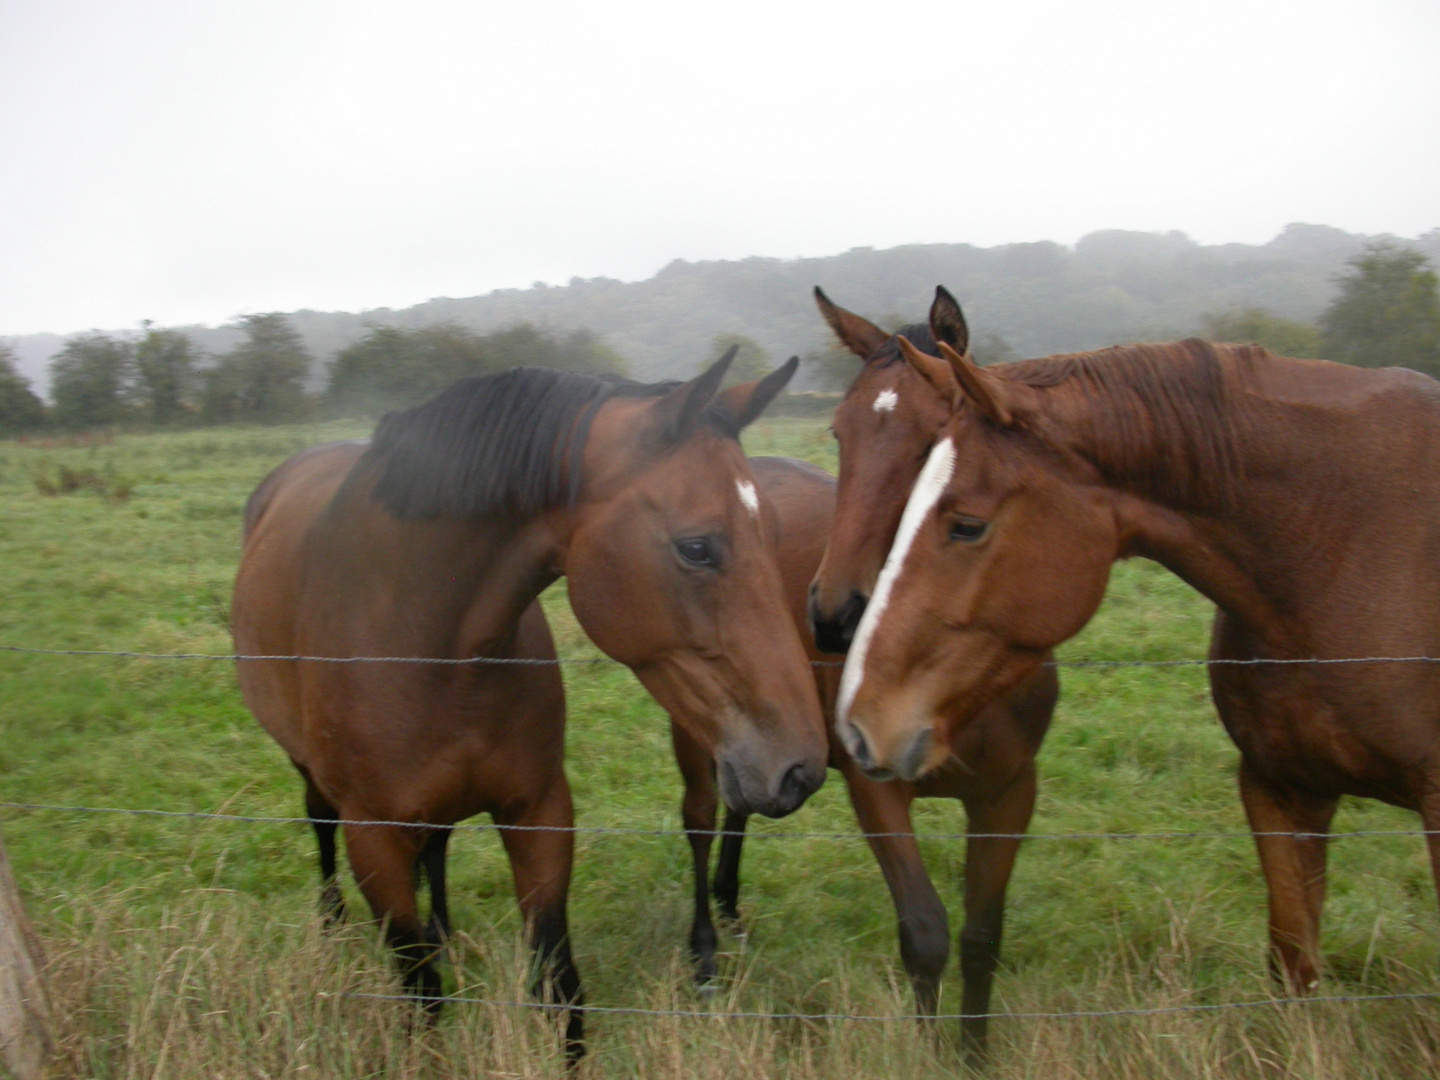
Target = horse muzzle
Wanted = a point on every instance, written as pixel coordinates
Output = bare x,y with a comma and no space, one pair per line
748,789
907,757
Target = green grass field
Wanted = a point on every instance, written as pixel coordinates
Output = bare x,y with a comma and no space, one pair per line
175,943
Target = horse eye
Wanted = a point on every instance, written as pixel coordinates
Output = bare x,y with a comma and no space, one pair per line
697,551
968,530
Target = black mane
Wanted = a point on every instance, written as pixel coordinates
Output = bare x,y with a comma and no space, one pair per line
497,443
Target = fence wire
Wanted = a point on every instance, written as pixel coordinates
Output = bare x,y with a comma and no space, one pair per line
1078,1014
828,1017
605,660
622,830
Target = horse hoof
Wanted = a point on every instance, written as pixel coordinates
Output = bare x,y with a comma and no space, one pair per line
705,970
708,988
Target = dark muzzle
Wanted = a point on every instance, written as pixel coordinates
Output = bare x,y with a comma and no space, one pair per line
834,631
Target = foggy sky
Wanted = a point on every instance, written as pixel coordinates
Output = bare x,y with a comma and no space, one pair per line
185,161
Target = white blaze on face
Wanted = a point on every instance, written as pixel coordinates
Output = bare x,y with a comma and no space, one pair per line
885,401
748,497
929,486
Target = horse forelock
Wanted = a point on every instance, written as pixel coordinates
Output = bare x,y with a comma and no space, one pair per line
888,355
1159,418
918,334
496,443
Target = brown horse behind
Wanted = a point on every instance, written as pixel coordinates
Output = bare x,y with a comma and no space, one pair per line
991,771
1301,496
435,541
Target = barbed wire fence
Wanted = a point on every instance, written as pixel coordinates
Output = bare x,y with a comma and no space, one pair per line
595,830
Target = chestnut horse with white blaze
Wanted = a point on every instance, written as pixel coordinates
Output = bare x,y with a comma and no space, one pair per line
884,426
434,541
992,771
1301,496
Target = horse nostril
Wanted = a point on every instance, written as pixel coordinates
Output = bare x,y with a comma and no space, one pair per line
793,789
858,747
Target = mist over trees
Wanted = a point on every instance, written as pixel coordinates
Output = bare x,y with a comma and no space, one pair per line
166,363
395,367
163,379
89,380
262,379
21,410
1040,298
751,361
1312,291
1387,313
1286,337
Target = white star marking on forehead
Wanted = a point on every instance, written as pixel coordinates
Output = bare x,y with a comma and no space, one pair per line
748,496
885,401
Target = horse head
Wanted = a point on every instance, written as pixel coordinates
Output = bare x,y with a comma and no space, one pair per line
1002,551
672,571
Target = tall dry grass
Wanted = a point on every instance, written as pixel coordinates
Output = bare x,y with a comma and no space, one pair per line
219,987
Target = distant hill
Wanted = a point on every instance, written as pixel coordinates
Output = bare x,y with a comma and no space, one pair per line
1112,286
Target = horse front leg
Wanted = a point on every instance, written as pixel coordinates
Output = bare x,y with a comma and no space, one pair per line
323,818
697,769
1294,868
923,924
432,858
542,853
383,858
994,829
727,870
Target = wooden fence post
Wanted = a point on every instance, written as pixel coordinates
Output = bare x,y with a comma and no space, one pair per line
24,1006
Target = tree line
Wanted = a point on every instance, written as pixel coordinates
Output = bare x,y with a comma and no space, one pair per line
161,379
1386,312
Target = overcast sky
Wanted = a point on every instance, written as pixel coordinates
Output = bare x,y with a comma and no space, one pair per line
185,160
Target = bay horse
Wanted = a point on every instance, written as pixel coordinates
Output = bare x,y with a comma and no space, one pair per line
991,771
435,540
1301,496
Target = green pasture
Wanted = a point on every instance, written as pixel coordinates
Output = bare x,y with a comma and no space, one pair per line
140,556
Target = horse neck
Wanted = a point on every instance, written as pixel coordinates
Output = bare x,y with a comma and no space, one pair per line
459,586
1203,499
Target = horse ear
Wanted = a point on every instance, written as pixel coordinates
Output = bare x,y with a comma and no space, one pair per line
985,390
745,402
678,411
947,321
860,336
